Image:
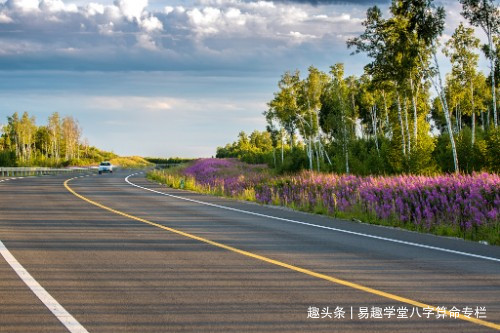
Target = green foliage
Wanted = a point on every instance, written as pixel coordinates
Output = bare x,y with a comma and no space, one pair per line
380,123
169,160
131,162
482,156
7,158
256,149
58,144
492,146
284,106
311,192
295,160
420,159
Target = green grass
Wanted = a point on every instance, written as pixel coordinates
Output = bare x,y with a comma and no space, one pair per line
130,162
173,176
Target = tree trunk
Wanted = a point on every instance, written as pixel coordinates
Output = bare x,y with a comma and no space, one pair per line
274,156
374,124
317,155
492,58
387,123
311,145
460,118
310,154
346,158
325,153
415,116
403,142
473,127
282,144
442,98
346,151
407,125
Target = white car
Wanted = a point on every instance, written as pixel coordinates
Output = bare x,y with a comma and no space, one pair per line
105,167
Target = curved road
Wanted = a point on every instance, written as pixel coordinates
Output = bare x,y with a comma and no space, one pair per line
125,258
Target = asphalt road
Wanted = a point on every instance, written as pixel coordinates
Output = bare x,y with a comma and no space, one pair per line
230,271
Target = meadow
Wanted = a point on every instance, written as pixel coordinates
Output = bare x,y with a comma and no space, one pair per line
457,205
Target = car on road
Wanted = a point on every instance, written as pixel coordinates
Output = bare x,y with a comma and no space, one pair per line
105,167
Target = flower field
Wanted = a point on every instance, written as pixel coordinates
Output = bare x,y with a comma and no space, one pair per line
466,206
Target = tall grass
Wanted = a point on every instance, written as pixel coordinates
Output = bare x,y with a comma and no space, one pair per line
464,206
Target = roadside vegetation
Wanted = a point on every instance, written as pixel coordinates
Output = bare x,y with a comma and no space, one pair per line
399,117
457,205
59,143
397,146
168,161
131,162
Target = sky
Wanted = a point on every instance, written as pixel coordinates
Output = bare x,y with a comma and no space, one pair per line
171,78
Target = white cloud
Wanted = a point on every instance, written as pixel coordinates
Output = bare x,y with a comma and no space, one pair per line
141,103
293,15
5,19
57,6
199,33
168,9
23,5
151,23
9,48
299,35
93,9
106,28
205,20
146,42
132,9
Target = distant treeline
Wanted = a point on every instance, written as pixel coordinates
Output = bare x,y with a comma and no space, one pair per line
170,160
57,143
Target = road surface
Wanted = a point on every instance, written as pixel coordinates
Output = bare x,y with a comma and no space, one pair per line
107,256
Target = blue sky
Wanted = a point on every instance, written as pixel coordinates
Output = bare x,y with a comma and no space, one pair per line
169,78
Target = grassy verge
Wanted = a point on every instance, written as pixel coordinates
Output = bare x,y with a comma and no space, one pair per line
175,178
131,162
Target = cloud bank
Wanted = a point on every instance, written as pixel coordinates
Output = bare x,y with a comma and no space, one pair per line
207,34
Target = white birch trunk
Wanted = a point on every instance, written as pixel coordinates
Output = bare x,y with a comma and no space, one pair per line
407,125
440,92
374,124
493,59
473,127
282,144
403,141
387,123
414,96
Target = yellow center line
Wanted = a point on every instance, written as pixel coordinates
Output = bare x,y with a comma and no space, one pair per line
285,265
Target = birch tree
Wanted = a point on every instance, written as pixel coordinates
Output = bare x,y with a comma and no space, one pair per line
284,107
460,49
486,14
54,127
309,101
426,23
335,113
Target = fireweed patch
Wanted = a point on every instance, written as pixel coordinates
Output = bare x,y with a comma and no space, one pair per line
457,205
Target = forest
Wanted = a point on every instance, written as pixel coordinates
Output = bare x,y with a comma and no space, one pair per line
58,143
402,115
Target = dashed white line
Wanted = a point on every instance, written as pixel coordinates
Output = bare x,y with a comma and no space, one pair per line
50,302
392,240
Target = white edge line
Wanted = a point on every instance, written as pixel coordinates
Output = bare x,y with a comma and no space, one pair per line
429,247
50,302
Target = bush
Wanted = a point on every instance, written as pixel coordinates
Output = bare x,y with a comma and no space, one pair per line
7,158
